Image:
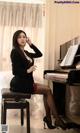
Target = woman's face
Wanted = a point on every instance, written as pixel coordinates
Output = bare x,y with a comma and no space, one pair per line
22,39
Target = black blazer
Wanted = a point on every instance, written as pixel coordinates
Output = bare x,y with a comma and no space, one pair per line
23,81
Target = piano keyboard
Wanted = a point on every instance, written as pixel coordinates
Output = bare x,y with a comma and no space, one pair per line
58,77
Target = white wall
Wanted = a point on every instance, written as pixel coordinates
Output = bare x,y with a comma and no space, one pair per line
62,25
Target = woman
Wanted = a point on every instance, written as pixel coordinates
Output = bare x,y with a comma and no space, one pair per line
22,68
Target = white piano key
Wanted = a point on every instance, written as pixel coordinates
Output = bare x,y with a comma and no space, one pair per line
60,77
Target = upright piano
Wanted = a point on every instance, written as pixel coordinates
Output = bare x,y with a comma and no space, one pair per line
63,75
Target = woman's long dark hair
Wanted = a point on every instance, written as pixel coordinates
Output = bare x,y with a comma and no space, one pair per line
15,37
15,43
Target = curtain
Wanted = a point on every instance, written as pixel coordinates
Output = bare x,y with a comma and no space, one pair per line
31,19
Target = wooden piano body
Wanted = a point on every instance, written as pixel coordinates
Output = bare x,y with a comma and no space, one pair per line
62,79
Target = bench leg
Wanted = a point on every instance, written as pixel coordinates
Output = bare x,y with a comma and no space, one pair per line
2,115
28,117
22,117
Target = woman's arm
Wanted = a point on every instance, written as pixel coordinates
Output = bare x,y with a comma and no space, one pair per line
36,50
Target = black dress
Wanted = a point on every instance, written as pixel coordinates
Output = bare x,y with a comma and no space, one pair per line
23,81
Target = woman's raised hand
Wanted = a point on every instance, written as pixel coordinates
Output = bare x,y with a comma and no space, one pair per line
28,41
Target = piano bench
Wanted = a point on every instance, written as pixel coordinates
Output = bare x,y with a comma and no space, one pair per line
13,100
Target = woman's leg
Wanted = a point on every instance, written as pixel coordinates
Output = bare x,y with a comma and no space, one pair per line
47,98
49,104
47,109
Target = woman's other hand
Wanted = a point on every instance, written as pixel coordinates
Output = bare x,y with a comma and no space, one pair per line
31,69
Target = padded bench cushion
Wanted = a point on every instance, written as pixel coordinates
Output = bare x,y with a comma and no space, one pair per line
6,93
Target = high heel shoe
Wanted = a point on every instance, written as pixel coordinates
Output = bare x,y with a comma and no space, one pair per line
61,124
48,123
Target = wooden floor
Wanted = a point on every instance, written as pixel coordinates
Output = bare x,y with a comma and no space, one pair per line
13,121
